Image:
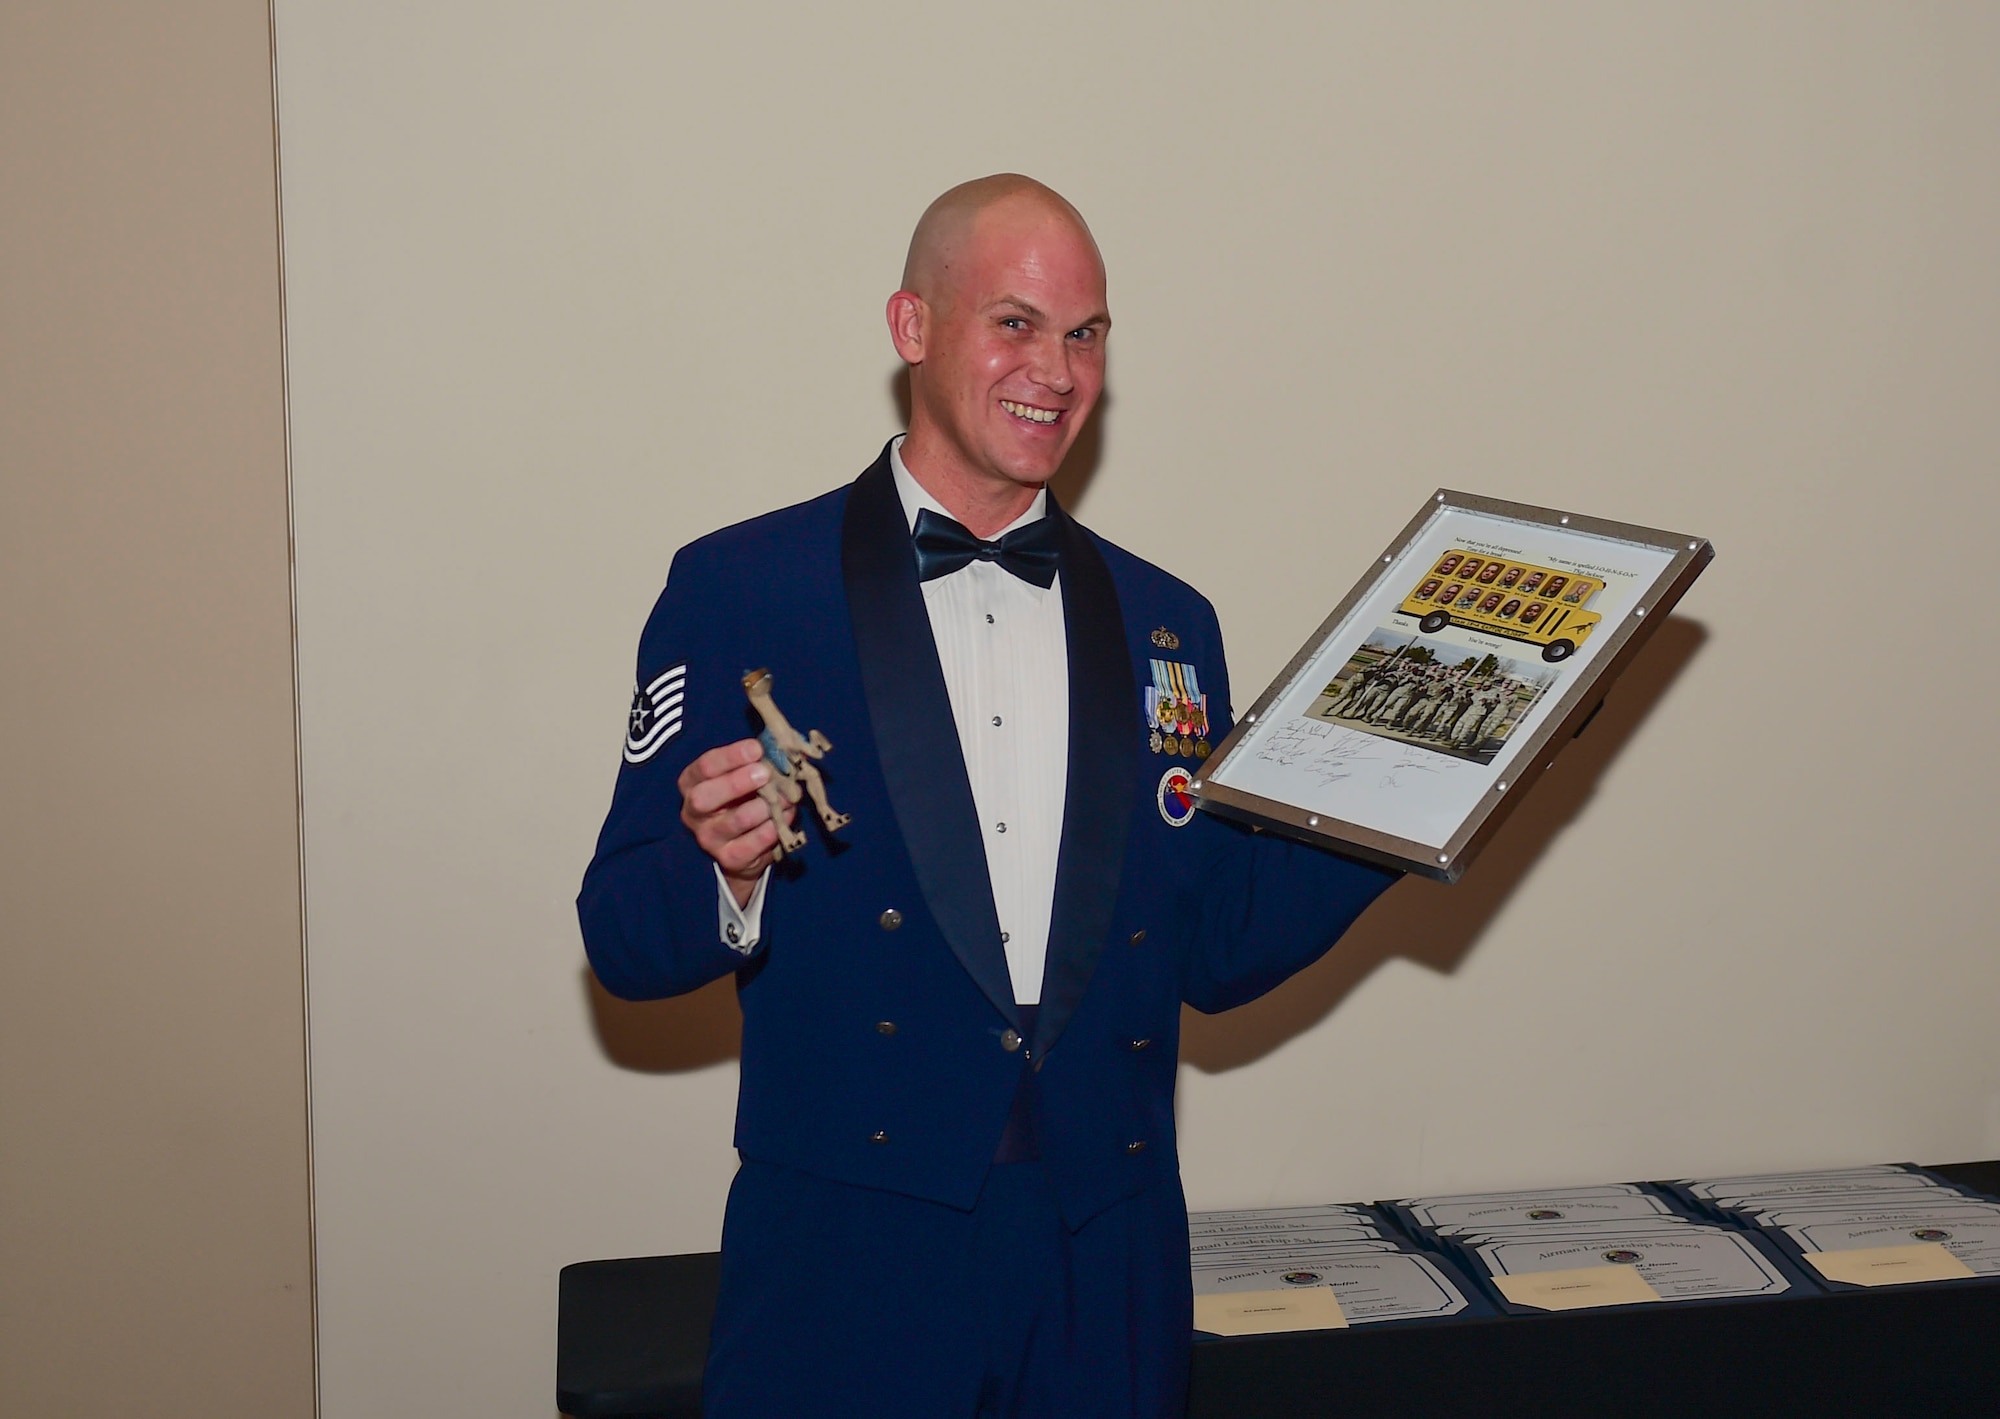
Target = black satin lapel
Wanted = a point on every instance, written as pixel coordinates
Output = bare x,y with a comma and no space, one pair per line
916,738
1097,807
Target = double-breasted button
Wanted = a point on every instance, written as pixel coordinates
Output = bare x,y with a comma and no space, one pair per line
891,919
1138,936
880,1135
1137,1145
1136,1045
1010,1041
885,1027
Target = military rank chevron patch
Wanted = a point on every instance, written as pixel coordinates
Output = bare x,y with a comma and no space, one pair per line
656,714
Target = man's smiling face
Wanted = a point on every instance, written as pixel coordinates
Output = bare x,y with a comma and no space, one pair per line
1013,346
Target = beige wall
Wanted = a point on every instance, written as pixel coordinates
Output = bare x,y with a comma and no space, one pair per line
154,1247
570,285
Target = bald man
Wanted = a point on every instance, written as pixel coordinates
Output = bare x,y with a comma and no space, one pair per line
958,1192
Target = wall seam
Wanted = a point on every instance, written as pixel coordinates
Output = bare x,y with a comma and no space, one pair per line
298,736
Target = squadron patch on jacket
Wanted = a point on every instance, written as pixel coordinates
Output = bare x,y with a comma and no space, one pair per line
1176,803
656,714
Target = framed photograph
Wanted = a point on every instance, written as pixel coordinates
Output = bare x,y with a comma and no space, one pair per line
1478,645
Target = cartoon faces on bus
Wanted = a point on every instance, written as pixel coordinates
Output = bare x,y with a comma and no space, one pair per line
1535,604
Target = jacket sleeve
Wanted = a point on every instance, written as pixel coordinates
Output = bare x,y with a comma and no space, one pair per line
1263,907
648,907
1269,907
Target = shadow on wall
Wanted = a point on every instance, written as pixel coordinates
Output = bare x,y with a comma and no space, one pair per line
1417,919
1072,480
1438,925
674,1036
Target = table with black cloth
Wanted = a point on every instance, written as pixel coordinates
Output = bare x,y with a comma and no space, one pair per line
632,1334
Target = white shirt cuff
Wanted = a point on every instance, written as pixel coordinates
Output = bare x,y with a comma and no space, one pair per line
740,927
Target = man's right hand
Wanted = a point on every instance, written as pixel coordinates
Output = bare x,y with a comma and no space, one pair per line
721,807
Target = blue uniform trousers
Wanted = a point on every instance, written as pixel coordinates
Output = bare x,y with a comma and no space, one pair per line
840,1302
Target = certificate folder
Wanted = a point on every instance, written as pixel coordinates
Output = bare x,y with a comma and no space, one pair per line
1579,1236
1724,1243
1444,1269
1370,1272
1916,1227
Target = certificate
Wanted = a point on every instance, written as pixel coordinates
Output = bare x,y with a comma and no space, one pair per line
1951,1208
1771,1196
1317,1214
1478,644
1286,1255
1866,1175
1447,1217
1573,1231
1282,1232
1532,1195
1339,1221
1976,1243
1272,1242
1693,1262
1379,1287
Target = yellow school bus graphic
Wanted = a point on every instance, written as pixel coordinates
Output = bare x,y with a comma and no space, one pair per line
1543,606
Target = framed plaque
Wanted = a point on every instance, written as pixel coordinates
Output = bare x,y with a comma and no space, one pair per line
1478,645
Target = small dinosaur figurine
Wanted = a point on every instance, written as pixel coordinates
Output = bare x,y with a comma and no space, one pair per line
790,756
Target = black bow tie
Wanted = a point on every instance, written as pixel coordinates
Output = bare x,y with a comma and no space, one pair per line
944,546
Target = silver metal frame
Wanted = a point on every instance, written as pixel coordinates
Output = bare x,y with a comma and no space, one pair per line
1577,702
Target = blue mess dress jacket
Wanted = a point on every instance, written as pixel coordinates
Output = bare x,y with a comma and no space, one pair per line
877,1005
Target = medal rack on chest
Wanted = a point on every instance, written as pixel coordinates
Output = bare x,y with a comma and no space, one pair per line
1176,712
